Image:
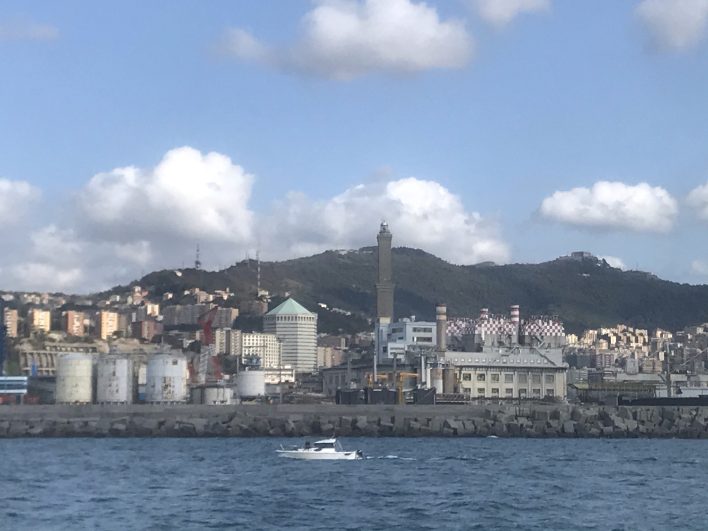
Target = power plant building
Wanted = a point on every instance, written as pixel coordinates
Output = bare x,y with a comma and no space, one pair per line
296,327
503,357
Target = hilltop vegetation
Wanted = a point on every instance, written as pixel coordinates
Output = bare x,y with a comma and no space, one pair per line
585,294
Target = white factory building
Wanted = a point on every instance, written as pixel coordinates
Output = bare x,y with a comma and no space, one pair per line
296,328
502,356
404,336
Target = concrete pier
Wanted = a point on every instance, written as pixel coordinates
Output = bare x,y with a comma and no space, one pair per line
529,420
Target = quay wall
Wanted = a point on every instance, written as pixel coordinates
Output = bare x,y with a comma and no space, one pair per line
527,420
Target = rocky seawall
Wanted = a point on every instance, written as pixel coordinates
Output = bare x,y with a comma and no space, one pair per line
532,420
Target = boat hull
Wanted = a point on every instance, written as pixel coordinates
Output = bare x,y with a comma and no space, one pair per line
319,456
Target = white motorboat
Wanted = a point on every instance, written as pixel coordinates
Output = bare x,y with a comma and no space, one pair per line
320,450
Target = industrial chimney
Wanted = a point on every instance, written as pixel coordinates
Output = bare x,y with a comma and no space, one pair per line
514,313
441,322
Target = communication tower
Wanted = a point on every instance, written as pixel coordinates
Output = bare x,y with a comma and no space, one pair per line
197,261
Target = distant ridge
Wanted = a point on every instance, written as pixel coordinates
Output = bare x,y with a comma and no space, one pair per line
585,293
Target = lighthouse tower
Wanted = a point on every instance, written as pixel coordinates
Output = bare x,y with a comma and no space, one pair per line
384,289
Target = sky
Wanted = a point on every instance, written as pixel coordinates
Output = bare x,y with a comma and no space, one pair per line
480,130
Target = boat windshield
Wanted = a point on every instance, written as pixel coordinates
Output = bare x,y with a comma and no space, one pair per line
324,445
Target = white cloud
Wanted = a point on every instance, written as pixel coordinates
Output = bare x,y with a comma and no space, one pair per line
43,276
188,195
698,199
614,262
345,39
613,205
15,30
499,13
130,221
700,267
15,198
675,24
421,214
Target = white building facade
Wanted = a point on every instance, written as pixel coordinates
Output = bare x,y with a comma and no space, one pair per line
296,328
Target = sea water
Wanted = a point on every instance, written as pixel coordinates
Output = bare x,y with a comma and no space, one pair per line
427,483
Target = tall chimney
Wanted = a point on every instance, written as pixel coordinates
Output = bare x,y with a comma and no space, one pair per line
441,322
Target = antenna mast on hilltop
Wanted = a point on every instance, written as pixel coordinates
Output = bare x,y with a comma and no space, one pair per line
258,273
197,261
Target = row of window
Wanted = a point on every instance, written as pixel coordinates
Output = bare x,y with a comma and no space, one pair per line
523,378
509,392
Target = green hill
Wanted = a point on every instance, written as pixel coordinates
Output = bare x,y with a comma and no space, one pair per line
584,293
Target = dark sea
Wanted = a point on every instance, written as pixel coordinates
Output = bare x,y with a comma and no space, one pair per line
402,484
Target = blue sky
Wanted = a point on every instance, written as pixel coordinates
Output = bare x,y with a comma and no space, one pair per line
504,130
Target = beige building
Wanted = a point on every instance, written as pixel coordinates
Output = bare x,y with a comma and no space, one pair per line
266,347
227,341
106,324
11,320
39,320
224,317
329,357
73,323
525,373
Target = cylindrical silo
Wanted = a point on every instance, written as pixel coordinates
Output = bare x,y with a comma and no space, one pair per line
74,379
166,378
216,395
114,380
250,384
436,379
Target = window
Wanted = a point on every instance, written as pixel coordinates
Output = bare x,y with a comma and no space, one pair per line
495,377
509,377
522,393
466,377
550,378
481,377
536,393
523,378
509,392
536,378
550,393
495,392
480,391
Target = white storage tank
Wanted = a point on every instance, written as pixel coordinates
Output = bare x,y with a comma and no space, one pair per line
166,378
114,380
212,395
250,384
74,379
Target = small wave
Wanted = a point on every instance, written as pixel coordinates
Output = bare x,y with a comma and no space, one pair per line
390,457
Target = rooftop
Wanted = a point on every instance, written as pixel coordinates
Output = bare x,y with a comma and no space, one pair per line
290,307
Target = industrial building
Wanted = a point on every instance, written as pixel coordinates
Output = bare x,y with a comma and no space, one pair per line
503,357
296,327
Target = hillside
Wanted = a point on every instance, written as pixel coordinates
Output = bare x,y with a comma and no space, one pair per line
587,293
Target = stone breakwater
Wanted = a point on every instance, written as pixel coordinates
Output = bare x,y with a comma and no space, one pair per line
532,420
